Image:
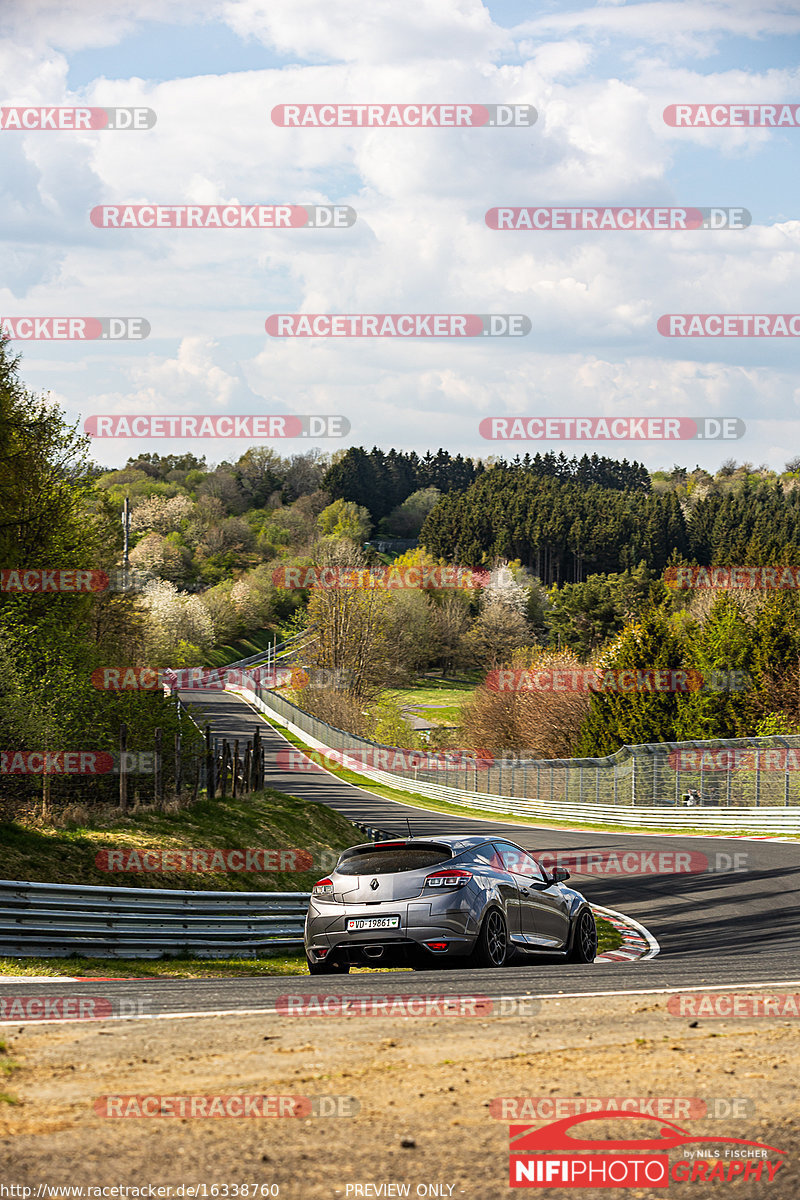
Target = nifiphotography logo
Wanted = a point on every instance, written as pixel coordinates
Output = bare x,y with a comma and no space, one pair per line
549,1156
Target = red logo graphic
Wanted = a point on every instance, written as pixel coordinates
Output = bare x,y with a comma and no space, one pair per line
532,1162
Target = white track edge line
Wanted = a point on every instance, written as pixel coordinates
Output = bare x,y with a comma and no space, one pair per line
273,1012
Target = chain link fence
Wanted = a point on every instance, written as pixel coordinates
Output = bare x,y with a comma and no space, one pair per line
745,772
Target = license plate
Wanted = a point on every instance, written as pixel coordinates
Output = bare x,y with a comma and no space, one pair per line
356,923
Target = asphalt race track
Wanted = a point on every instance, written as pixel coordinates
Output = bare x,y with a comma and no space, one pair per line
716,929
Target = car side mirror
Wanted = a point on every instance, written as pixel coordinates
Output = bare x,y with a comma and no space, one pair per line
560,874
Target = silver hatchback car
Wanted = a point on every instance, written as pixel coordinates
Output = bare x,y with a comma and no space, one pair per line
478,901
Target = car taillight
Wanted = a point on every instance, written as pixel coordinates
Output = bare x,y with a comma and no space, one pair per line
454,878
437,947
323,887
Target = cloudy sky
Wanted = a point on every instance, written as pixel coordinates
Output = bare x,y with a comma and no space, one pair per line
599,76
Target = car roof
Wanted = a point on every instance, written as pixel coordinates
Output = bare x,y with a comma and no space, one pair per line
456,841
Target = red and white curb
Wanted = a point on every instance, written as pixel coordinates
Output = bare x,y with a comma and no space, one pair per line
638,943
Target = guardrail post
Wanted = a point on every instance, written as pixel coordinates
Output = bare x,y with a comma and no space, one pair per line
158,791
210,781
123,767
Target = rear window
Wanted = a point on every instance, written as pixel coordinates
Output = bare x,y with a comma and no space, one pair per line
395,858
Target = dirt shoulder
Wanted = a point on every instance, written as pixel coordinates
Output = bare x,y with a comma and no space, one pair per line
423,1087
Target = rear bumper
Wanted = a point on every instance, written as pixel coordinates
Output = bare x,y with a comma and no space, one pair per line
326,929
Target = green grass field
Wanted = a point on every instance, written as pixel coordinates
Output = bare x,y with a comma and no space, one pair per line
264,820
437,699
245,647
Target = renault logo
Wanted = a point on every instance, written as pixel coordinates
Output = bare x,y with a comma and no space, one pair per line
374,884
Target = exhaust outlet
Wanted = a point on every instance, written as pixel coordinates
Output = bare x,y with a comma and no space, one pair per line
373,951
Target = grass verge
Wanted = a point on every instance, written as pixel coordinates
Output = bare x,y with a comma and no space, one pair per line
262,820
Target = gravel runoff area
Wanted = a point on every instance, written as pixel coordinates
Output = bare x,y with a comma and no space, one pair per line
414,1093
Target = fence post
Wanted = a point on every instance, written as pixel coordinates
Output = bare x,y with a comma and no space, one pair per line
157,788
224,771
655,777
758,778
235,772
210,781
178,763
256,763
246,769
123,767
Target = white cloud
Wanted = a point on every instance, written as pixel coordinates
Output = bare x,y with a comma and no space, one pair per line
382,31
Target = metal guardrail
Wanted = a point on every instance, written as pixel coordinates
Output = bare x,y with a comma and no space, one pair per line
49,920
636,788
